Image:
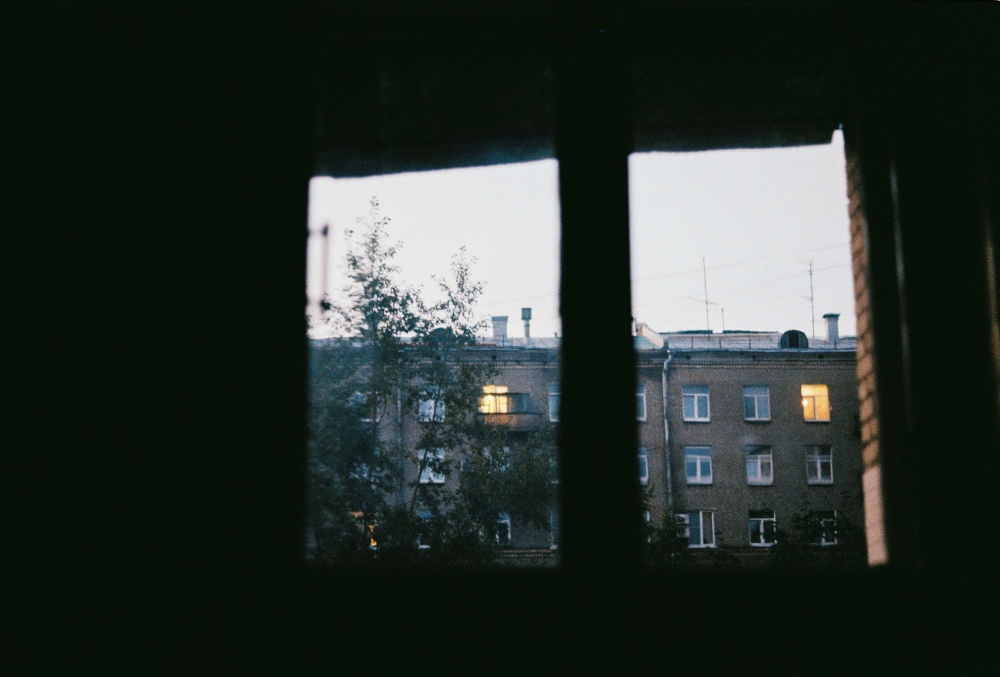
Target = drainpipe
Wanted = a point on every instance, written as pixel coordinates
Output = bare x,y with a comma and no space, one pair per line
666,437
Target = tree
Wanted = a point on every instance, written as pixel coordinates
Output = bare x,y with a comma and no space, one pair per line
799,545
398,356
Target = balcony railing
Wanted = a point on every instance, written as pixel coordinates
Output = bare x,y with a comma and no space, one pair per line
516,421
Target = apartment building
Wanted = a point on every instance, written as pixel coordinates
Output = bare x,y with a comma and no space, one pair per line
758,440
746,440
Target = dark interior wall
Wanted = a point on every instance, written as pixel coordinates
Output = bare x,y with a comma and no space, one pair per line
166,190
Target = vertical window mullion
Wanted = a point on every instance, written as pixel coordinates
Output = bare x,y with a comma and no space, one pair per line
592,141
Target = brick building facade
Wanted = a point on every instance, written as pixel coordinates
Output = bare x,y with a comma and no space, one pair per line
741,437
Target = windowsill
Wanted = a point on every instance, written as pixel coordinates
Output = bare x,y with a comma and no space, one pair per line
701,547
815,420
762,545
697,420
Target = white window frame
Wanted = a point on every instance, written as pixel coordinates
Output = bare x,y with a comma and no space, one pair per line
762,395
685,521
431,408
699,477
832,517
554,397
694,395
759,452
814,401
427,474
640,403
762,521
503,518
643,457
818,455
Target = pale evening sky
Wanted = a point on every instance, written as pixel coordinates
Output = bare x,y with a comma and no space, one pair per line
757,217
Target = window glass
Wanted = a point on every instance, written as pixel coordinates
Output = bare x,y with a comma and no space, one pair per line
819,464
640,403
554,403
419,326
760,466
815,403
698,465
643,466
695,402
756,403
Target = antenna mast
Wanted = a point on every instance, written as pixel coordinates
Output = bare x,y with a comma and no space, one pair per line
704,277
812,300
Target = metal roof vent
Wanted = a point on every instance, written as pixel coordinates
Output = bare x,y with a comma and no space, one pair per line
793,338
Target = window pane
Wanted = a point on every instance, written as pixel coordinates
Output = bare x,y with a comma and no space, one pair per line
719,290
809,408
692,468
409,307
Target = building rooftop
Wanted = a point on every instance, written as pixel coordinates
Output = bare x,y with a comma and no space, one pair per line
749,340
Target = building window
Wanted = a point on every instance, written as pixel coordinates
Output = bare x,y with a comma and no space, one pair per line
503,534
756,403
554,529
695,403
819,464
361,404
431,408
643,466
499,400
640,403
431,466
698,465
760,465
763,526
824,525
698,527
815,403
554,403
425,522
495,400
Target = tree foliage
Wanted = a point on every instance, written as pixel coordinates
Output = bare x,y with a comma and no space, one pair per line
397,356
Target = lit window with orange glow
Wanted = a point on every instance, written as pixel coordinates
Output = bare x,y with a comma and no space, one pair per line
815,403
495,400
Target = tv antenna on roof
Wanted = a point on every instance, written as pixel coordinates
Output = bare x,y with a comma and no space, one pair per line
704,277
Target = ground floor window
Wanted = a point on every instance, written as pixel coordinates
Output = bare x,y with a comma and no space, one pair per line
763,526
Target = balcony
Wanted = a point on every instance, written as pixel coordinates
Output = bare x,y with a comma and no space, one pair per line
515,421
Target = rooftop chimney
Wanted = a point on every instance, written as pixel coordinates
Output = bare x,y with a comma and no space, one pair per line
832,332
499,327
526,316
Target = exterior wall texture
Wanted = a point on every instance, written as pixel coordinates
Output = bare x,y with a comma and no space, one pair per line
664,434
729,494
